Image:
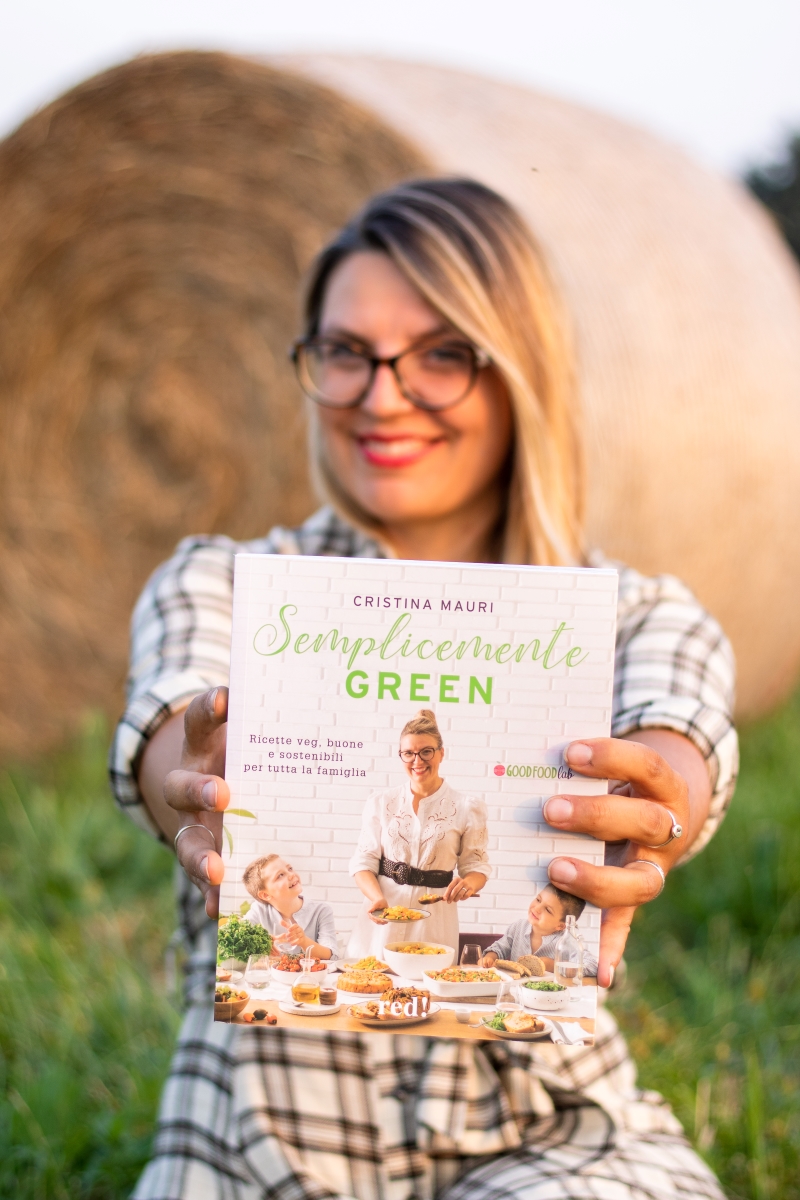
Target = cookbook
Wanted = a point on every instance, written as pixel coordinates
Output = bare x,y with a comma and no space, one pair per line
394,731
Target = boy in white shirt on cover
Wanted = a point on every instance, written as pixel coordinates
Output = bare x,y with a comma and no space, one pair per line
278,905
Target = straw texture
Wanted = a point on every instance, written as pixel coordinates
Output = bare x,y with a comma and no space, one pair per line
687,308
154,224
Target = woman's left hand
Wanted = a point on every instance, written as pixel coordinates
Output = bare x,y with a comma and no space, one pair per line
462,889
660,773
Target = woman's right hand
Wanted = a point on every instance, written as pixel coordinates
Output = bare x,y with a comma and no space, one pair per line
199,794
376,907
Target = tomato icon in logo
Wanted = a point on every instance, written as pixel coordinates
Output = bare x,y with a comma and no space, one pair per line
499,769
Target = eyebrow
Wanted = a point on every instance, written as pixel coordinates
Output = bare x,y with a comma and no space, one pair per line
339,331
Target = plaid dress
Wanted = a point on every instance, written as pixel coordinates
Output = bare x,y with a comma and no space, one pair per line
248,1114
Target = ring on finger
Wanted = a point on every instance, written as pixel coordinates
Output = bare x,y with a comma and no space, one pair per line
196,825
675,832
660,870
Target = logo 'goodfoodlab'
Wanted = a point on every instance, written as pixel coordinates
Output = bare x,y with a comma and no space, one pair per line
533,771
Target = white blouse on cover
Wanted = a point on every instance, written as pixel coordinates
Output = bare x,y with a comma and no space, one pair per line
448,834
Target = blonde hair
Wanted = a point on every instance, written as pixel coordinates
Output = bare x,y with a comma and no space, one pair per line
473,258
253,878
423,722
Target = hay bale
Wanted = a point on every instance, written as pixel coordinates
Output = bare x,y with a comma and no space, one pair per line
688,317
154,225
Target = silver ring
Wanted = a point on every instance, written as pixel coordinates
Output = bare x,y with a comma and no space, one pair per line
660,871
196,825
675,832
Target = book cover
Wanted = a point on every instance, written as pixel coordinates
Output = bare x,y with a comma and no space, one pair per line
394,730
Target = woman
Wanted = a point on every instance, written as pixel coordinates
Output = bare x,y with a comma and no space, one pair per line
412,839
443,425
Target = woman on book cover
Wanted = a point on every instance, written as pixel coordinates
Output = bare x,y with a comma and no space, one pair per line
445,424
421,838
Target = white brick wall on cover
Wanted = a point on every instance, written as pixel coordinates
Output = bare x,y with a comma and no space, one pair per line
314,819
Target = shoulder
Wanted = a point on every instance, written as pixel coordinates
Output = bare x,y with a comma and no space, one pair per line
326,533
201,565
383,796
659,615
635,587
467,801
639,592
519,928
257,913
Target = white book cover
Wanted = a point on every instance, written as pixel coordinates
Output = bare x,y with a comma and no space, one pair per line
334,802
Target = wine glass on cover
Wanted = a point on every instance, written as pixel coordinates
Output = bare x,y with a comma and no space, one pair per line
508,1000
257,976
471,955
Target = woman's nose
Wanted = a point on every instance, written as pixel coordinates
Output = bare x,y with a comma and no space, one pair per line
384,398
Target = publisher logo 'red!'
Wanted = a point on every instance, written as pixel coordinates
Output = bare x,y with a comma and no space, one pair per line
533,771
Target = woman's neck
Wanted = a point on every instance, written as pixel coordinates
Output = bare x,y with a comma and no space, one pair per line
421,791
469,535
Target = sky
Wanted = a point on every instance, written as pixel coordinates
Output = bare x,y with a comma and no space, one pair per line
719,77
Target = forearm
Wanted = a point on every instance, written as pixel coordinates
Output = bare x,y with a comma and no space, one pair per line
367,884
163,754
317,951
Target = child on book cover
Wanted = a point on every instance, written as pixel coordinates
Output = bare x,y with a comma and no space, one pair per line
538,934
295,923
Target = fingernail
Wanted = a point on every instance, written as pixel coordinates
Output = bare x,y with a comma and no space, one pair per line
204,867
209,794
611,971
579,754
212,701
561,870
557,810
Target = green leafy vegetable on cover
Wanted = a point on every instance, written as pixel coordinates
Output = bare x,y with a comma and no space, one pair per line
239,939
497,1021
544,985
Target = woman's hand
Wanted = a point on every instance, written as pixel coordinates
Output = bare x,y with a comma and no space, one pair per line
660,771
377,906
463,888
198,794
367,883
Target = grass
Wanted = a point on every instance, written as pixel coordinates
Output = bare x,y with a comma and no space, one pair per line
86,911
712,1006
712,1002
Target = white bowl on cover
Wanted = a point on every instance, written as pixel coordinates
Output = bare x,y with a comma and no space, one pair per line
543,1001
443,988
411,966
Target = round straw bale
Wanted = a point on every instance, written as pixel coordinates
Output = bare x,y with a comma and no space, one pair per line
687,312
154,226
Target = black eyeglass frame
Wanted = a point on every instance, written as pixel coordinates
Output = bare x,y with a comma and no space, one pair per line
418,754
480,360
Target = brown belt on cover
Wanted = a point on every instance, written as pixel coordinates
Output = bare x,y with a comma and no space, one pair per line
406,875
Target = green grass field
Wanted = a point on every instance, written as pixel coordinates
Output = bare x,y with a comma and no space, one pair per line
712,1004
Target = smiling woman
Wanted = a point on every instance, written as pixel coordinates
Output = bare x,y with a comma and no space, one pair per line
437,361
413,838
456,350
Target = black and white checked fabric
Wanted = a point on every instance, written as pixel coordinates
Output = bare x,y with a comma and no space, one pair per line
250,1114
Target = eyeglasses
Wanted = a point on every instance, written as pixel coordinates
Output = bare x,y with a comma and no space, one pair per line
339,374
426,754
